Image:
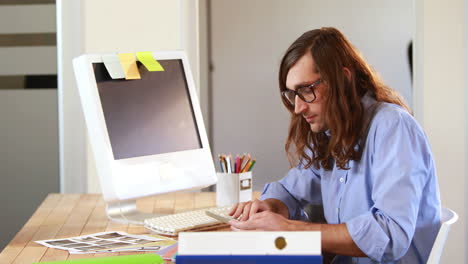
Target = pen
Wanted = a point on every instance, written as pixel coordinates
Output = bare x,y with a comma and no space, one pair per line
220,163
231,167
229,163
224,163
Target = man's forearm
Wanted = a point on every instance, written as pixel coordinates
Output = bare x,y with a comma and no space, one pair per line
335,238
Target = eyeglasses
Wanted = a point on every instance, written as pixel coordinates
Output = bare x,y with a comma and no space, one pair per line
306,93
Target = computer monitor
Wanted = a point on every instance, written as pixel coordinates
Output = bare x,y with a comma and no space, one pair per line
147,135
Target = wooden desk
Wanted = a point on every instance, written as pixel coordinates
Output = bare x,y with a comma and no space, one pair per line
67,215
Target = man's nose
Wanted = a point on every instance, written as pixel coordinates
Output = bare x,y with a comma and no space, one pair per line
299,105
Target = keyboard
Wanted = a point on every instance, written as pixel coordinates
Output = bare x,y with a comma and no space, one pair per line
195,220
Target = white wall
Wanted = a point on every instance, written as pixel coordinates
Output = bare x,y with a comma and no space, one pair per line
441,93
248,41
116,26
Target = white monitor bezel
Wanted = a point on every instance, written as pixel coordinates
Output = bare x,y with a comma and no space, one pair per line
114,184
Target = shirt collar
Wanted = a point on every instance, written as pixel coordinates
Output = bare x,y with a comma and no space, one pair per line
367,101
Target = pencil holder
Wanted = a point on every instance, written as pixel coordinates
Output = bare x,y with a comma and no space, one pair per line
233,188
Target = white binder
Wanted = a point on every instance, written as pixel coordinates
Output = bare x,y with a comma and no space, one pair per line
250,243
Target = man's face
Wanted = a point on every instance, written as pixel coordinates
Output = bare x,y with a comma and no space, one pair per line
302,74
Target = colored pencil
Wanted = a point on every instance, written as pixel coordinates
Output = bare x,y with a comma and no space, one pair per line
252,164
247,160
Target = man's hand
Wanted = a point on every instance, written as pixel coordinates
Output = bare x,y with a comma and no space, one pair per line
247,209
271,215
263,221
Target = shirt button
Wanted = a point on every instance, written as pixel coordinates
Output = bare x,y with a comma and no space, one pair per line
342,179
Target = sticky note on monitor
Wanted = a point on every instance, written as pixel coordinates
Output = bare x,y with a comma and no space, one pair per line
129,66
112,63
148,60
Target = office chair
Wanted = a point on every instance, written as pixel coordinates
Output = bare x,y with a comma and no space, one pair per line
448,217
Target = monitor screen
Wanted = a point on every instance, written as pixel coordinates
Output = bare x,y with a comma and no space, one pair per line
148,116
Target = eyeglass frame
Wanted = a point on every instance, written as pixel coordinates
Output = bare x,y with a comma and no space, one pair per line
296,93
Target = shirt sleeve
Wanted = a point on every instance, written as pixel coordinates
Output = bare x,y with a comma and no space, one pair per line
298,188
401,163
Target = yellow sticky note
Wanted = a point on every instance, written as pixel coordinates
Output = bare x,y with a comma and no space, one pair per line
148,60
129,66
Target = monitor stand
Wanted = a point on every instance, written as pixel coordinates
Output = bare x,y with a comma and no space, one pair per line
126,212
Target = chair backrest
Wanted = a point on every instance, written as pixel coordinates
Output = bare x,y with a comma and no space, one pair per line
447,218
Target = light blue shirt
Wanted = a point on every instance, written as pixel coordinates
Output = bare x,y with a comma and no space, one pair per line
389,199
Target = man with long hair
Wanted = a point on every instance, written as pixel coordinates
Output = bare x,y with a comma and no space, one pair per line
356,150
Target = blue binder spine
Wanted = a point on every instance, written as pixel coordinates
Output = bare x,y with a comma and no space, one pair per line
248,259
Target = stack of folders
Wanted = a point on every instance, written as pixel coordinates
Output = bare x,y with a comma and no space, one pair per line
242,163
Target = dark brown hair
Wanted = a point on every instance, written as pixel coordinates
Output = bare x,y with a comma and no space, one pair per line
343,112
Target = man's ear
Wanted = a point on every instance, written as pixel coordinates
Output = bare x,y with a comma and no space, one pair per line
347,72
